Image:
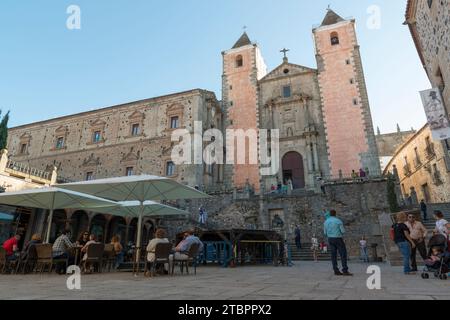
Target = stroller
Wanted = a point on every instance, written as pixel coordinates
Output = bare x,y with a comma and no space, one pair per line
441,267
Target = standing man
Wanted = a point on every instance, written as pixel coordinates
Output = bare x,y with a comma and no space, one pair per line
298,237
418,233
423,209
334,231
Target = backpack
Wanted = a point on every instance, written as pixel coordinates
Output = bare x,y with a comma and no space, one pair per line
392,233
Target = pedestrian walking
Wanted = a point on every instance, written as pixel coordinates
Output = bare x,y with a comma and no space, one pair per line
423,210
298,243
314,247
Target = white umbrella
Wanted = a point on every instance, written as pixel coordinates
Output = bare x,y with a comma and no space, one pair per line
133,209
136,188
51,199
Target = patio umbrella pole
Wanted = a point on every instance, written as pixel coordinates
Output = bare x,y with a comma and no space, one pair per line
49,226
139,236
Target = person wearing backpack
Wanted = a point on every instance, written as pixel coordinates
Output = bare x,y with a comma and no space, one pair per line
402,238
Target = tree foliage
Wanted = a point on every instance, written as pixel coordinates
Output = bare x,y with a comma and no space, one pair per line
4,130
391,194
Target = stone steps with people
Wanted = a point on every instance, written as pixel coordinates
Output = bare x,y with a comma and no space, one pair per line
306,254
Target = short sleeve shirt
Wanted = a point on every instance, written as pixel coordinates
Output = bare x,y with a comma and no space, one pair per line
399,232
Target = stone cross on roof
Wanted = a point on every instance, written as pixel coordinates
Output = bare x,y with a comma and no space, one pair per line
285,51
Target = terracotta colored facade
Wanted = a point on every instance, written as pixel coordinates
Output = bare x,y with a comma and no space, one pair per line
242,66
348,123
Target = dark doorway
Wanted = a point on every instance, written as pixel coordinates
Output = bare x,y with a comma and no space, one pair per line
98,225
293,169
118,227
80,224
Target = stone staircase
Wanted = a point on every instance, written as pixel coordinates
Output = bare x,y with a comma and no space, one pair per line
306,254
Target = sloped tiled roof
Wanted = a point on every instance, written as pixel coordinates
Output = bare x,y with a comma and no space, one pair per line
243,41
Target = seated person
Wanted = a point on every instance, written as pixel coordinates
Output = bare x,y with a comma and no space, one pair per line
182,249
61,250
118,251
83,239
35,239
435,259
160,237
92,240
11,247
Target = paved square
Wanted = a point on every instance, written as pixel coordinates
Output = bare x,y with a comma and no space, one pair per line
304,281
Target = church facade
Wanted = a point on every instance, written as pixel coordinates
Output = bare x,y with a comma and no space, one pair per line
323,117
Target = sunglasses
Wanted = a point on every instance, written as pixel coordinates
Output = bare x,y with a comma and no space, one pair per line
411,217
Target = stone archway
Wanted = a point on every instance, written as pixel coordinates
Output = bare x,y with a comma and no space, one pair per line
79,224
59,221
98,227
293,169
118,227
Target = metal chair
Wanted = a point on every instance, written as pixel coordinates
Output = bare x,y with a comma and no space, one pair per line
94,255
162,254
191,257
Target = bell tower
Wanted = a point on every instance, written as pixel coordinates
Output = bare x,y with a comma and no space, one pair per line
243,66
348,122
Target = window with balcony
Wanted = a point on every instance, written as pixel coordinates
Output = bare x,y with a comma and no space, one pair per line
429,149
417,161
60,143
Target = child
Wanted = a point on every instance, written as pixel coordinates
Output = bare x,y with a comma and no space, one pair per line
363,249
324,247
435,259
314,247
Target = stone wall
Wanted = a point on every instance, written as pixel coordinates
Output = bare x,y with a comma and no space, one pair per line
147,151
358,204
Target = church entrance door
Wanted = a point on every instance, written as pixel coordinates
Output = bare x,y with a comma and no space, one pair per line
293,169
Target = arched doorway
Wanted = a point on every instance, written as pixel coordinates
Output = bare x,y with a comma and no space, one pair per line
58,224
132,231
293,169
118,227
98,225
80,224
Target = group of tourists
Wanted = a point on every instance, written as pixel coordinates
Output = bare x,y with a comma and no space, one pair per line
282,187
410,235
62,248
362,174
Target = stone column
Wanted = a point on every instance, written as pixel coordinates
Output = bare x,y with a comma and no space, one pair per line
3,160
316,157
309,156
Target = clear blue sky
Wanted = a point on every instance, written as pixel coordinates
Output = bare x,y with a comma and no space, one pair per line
131,50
